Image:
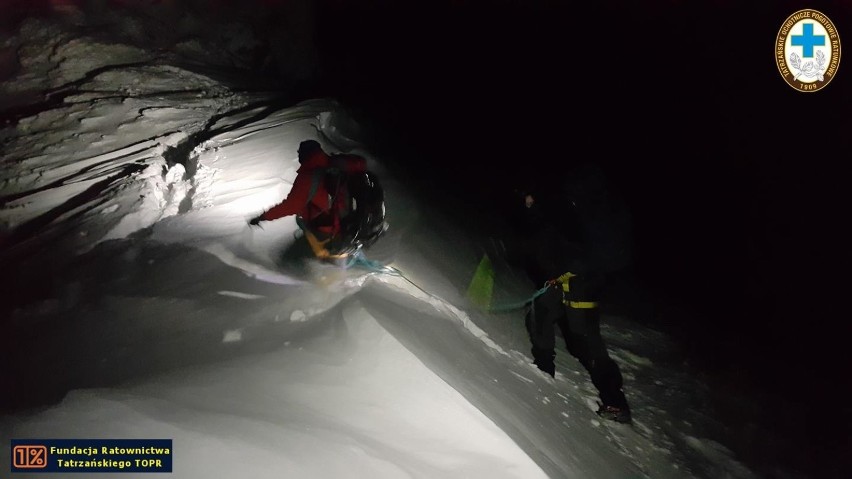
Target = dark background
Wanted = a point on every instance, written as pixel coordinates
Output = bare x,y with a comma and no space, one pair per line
737,182
740,210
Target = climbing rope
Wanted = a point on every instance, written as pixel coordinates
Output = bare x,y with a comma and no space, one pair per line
358,259
505,307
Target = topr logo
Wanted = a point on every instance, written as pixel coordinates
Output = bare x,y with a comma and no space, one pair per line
807,50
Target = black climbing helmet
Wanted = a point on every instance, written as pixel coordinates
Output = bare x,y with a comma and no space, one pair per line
307,147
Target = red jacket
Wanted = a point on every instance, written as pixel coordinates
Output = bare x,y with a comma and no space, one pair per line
309,209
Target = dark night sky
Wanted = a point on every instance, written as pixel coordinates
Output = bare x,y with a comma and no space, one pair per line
739,212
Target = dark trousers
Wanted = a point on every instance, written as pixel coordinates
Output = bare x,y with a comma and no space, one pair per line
581,329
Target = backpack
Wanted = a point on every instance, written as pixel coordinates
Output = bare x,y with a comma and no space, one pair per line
358,199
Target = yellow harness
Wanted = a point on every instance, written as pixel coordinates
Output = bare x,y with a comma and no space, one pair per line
565,281
319,248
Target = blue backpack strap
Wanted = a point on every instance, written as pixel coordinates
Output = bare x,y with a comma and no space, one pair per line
316,176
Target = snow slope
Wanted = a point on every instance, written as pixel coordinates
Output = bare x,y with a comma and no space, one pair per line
159,313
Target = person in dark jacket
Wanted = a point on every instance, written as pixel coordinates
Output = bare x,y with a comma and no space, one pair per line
574,262
315,213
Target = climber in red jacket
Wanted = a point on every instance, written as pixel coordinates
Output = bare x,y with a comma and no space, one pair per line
310,199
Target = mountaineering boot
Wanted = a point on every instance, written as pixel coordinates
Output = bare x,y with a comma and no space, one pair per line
544,360
617,414
549,368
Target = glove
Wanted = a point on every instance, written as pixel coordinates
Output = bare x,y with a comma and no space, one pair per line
255,221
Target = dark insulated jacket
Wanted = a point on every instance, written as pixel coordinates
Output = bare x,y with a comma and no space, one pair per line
586,229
